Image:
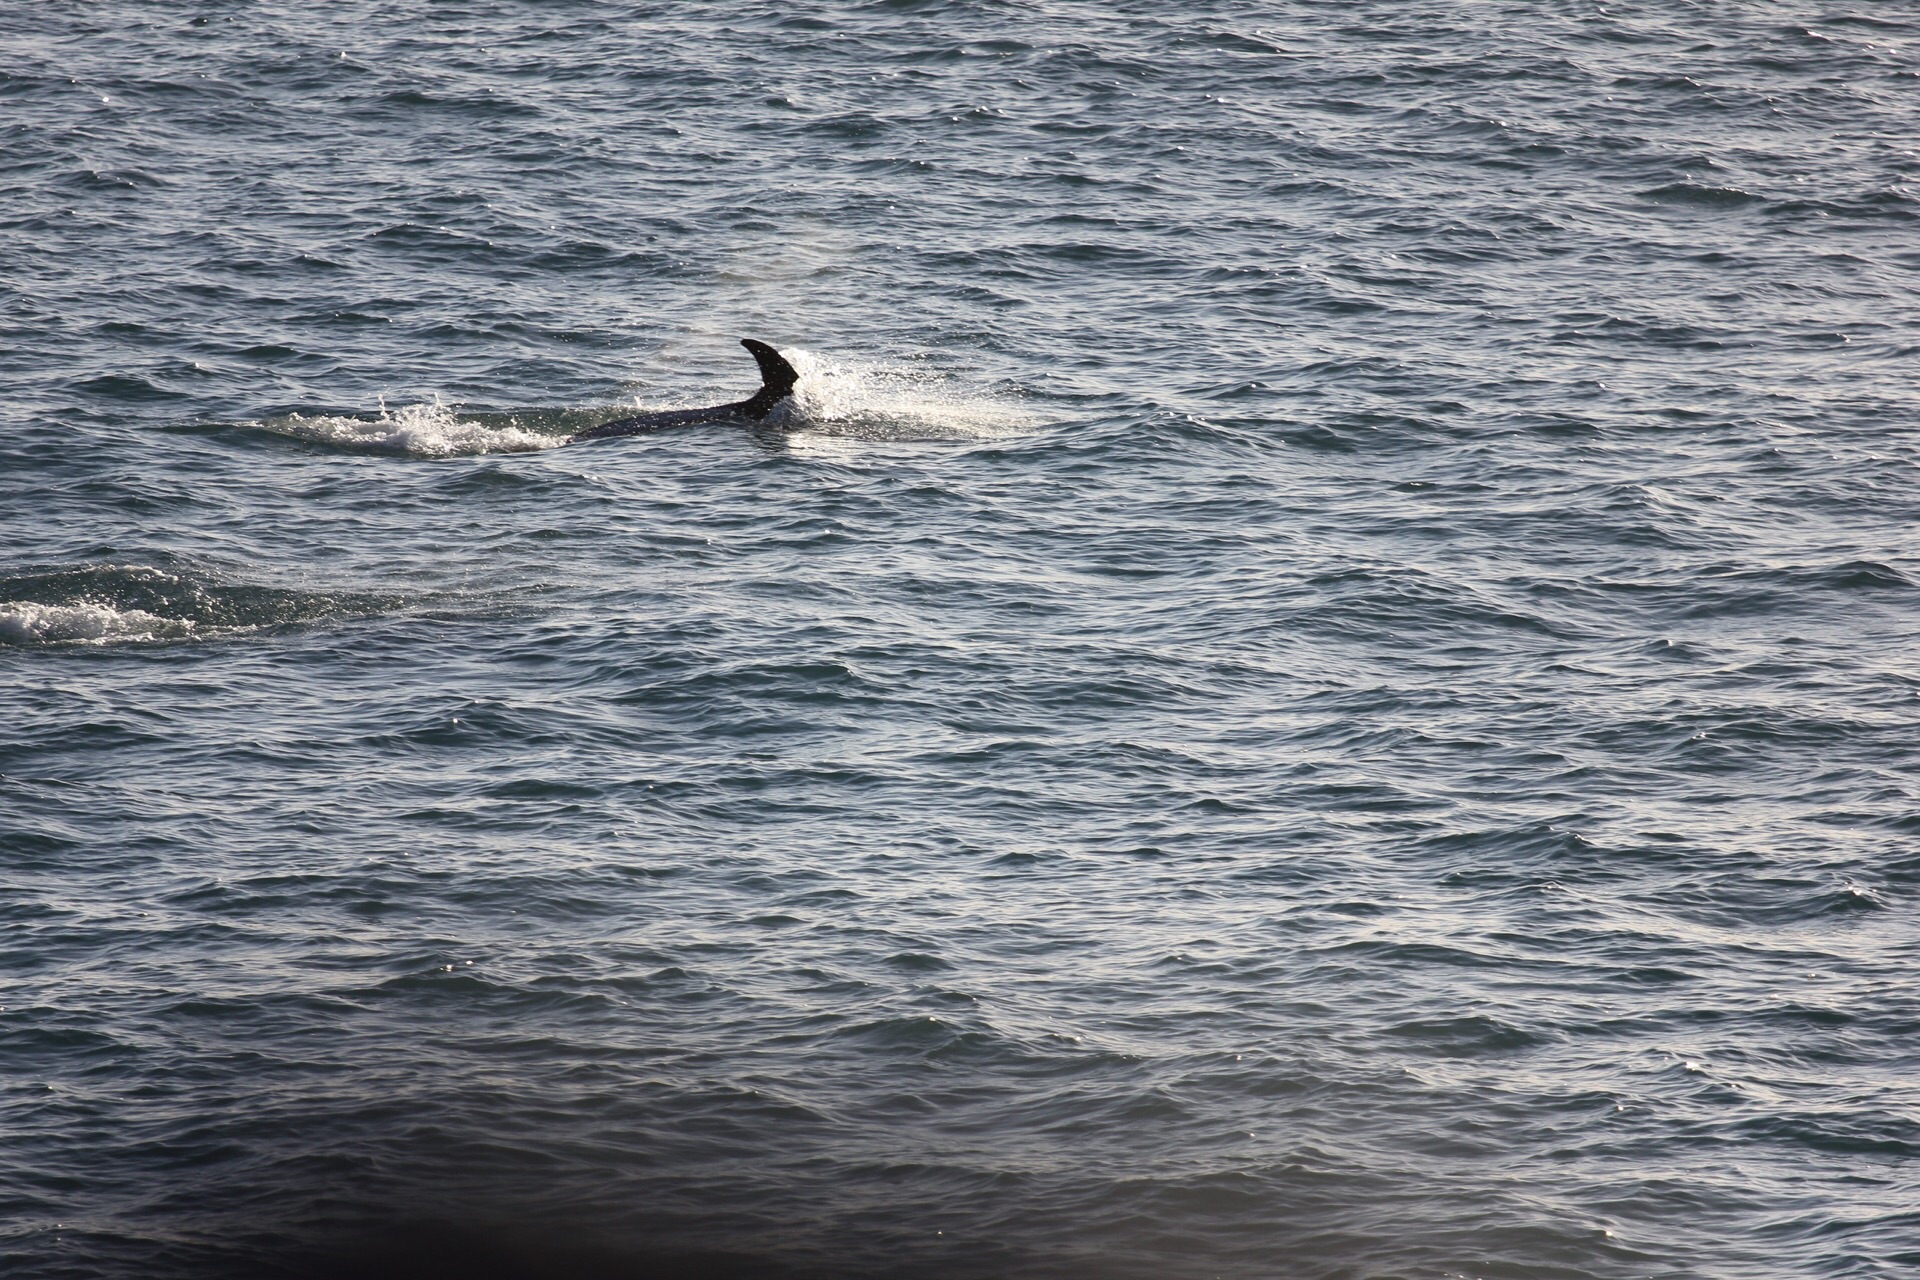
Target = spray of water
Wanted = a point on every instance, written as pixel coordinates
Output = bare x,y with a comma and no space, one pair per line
419,430
87,622
845,396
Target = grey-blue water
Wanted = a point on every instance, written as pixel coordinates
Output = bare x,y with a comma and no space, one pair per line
1321,682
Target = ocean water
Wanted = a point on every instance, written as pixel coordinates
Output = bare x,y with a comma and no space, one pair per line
1323,680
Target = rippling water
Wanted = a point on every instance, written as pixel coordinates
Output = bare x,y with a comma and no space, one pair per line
1320,683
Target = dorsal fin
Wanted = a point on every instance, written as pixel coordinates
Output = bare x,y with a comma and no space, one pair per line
776,379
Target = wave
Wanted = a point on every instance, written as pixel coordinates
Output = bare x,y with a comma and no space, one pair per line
98,604
25,622
1700,196
431,430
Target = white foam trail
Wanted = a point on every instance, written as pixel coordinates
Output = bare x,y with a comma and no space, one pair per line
420,430
26,623
846,397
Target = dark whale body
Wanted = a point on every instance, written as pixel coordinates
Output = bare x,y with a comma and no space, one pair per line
776,384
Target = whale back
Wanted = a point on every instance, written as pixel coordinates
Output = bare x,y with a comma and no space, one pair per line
777,379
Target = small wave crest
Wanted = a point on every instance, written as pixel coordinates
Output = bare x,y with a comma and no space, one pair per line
842,396
1695,195
111,603
25,622
432,430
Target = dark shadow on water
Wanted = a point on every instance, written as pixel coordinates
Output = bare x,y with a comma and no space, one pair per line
441,1251
495,1246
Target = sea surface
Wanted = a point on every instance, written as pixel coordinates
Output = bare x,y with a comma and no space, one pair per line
1322,681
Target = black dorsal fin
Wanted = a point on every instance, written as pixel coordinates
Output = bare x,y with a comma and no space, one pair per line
776,379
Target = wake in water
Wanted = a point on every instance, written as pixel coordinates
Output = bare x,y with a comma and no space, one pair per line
111,604
836,396
26,622
433,430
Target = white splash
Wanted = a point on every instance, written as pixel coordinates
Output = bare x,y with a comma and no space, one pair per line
840,396
419,430
23,622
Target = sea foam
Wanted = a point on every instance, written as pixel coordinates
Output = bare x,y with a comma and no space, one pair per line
427,430
24,622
